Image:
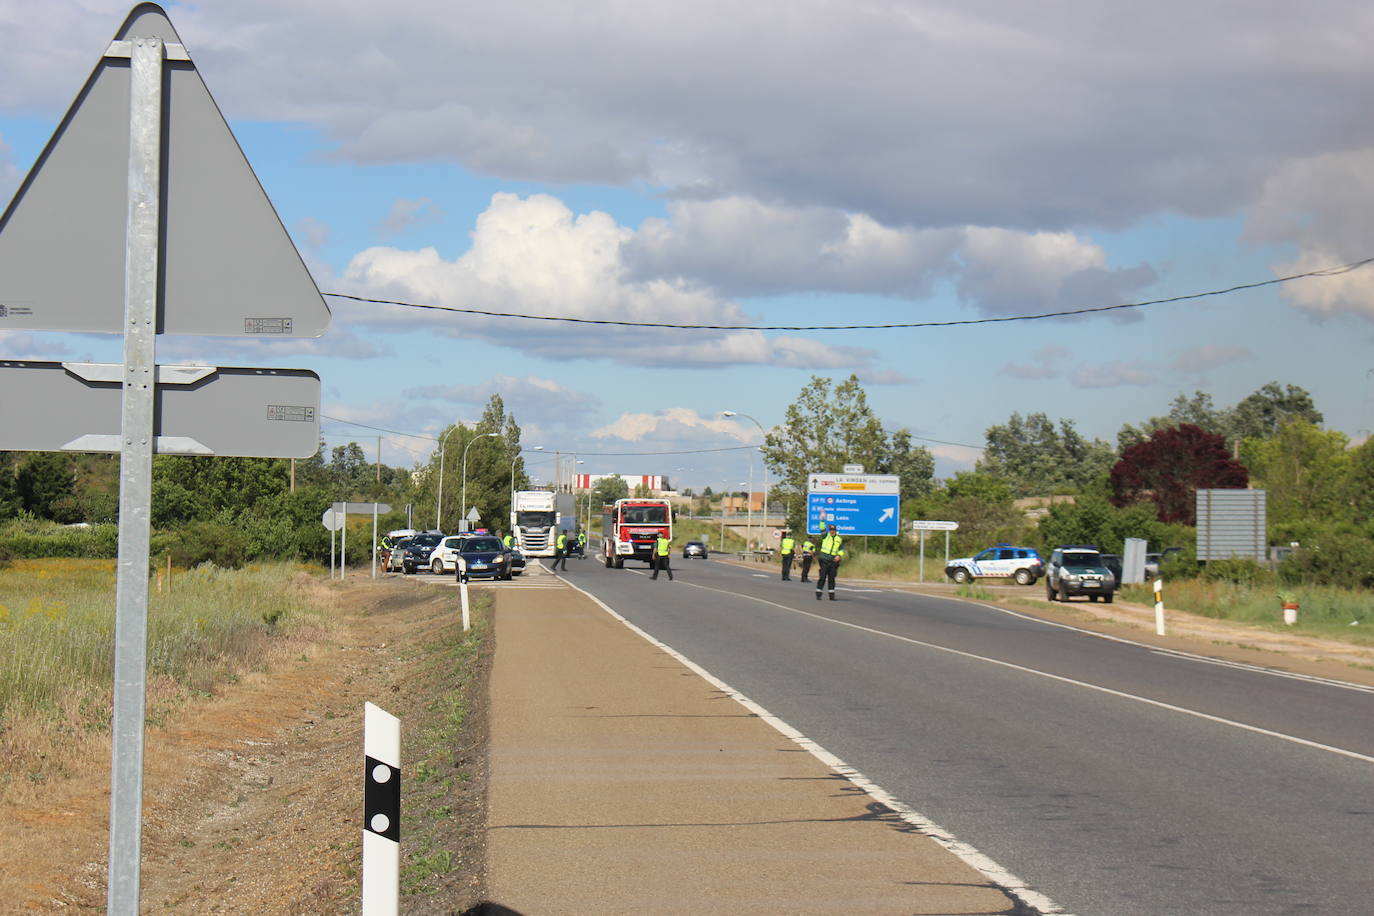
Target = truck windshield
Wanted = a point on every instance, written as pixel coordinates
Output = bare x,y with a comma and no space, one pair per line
644,515
534,519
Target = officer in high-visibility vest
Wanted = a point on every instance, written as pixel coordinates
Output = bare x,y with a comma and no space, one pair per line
582,544
662,547
808,554
560,550
509,541
829,556
786,549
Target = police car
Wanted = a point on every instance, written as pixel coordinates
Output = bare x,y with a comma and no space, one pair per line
1004,561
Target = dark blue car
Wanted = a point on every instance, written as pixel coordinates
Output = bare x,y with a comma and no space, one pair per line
483,557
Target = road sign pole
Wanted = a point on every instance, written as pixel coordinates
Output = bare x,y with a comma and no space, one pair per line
921,576
136,474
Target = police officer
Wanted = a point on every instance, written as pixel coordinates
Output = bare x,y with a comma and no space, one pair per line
662,547
829,556
508,541
582,544
786,548
560,550
808,554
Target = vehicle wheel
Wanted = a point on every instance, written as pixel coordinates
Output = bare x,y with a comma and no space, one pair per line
619,563
1024,577
437,567
408,570
961,577
606,558
1049,593
1063,593
1107,598
1093,598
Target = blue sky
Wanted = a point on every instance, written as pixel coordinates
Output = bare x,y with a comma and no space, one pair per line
780,162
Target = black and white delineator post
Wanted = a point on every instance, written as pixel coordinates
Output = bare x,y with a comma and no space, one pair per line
381,812
169,232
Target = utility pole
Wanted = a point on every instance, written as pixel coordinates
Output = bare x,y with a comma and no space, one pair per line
293,475
379,459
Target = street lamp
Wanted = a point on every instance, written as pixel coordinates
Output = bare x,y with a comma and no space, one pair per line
536,448
463,508
439,503
736,413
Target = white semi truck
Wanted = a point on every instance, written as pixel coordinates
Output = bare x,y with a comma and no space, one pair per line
536,517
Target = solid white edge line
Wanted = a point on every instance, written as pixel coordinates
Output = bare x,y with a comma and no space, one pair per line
995,873
1159,704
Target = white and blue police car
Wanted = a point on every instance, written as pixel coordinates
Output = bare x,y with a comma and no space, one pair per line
1004,561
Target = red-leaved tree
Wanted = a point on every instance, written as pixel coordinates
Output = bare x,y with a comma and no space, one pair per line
1171,466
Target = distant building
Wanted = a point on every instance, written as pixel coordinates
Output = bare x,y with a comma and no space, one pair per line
754,503
656,484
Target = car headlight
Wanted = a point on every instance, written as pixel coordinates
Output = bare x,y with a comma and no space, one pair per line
1072,577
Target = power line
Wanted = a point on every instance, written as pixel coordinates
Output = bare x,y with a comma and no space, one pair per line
1321,272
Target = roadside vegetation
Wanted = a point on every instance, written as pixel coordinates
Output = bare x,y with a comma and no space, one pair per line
208,628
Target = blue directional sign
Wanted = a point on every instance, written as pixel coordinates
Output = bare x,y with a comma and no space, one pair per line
853,513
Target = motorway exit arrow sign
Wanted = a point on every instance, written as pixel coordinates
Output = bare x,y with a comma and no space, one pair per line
853,513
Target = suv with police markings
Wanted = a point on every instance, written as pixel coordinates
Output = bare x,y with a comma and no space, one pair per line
1004,561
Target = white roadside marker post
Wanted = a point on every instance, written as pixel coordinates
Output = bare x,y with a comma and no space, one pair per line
463,592
381,812
1159,607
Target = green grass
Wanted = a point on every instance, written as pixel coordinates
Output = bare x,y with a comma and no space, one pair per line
1339,613
57,631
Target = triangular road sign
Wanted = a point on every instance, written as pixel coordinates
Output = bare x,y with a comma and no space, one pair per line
228,266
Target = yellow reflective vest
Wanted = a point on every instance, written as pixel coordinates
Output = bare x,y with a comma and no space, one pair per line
661,546
787,545
562,542
833,545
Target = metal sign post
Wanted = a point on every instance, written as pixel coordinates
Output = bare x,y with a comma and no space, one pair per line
135,475
159,229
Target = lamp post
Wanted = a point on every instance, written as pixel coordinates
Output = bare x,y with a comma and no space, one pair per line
736,413
439,503
536,448
463,508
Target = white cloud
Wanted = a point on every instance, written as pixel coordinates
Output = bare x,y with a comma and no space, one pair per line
541,400
674,425
311,232
1043,118
1207,357
1018,273
407,213
1045,365
1322,203
22,345
533,256
1117,374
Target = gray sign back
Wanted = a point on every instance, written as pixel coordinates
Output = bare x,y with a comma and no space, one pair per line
268,413
229,266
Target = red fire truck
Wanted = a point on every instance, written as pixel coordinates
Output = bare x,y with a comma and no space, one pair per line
631,526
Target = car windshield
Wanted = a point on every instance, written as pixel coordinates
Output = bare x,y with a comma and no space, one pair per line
1082,558
644,515
481,545
532,519
426,540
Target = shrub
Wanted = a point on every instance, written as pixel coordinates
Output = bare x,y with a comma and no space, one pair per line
226,546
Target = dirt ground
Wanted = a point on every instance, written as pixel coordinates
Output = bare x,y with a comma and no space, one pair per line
253,797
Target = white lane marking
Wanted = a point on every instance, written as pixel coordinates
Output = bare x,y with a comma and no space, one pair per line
999,876
1355,755
1176,653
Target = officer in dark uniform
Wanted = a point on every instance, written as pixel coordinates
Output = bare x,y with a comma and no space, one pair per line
560,550
830,555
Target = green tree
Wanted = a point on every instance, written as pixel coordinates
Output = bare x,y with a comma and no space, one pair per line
1038,459
1361,482
1305,471
609,489
914,464
45,485
1262,414
10,503
825,428
493,448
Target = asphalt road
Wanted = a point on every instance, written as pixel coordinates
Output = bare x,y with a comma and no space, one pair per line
1114,778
